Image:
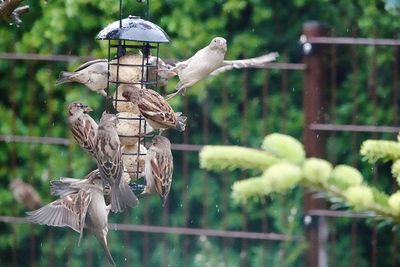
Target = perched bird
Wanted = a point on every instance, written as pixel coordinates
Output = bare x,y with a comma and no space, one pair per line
81,205
159,168
210,61
154,108
25,194
82,126
109,162
162,73
93,74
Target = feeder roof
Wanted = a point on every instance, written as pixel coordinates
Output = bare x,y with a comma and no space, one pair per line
133,29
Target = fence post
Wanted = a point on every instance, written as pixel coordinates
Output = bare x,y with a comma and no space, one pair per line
314,108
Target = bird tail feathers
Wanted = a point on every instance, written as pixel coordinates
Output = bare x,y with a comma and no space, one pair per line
103,243
122,197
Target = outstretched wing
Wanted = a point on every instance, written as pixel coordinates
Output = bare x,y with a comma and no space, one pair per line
69,211
255,62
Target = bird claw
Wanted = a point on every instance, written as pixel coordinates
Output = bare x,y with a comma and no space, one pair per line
178,92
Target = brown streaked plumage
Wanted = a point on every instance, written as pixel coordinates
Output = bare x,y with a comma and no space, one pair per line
154,108
82,126
81,205
109,162
159,168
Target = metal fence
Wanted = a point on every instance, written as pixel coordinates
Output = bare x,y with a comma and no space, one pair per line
324,78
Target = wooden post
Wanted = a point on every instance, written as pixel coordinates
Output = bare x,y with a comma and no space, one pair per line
314,142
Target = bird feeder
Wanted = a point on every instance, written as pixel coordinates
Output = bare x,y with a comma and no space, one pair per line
133,59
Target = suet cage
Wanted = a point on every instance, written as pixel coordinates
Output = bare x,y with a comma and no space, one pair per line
133,60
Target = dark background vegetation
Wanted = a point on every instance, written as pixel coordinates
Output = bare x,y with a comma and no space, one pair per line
30,104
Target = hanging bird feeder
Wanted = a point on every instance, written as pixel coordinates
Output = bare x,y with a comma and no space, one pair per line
133,60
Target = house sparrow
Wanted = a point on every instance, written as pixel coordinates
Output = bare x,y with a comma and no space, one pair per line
109,162
81,205
159,168
155,109
210,61
93,74
200,65
82,126
25,194
162,73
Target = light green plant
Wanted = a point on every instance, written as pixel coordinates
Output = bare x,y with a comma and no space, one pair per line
283,165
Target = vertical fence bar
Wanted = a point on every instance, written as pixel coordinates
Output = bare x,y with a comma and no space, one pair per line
354,91
31,120
245,142
313,101
225,196
185,196
13,150
395,104
205,131
264,129
285,101
264,101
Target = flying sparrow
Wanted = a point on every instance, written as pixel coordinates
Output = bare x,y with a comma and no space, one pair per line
25,194
210,61
81,205
82,126
109,162
154,108
159,168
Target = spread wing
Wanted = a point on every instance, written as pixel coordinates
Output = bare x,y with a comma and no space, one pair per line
162,169
255,62
154,107
87,64
69,211
84,131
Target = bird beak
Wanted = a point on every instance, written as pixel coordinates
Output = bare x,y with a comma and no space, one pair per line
87,109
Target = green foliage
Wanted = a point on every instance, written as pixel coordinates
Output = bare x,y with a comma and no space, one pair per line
343,183
235,157
30,104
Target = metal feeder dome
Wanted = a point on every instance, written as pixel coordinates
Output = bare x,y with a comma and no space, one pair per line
134,28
